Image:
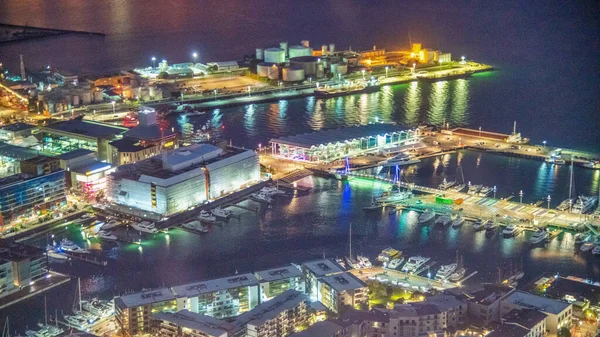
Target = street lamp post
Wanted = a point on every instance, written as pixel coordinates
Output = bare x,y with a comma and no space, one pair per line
215,92
544,142
480,132
195,56
495,191
521,196
386,71
248,91
113,104
548,199
153,62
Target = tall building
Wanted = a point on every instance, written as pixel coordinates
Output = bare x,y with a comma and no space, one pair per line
134,312
182,178
341,291
278,280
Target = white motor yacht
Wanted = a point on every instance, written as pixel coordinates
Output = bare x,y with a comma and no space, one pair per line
584,204
261,197
582,238
458,221
195,226
457,275
565,205
272,190
539,236
458,188
106,235
77,321
69,246
446,184
474,189
364,261
400,160
485,191
206,217
511,230
443,220
395,263
445,271
414,263
396,196
144,226
388,254
221,213
111,224
426,216
586,247
478,224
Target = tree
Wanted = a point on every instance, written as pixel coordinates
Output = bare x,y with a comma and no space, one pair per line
163,75
564,332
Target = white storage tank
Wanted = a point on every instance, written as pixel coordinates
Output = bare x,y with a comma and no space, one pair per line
305,43
86,98
76,100
259,54
297,51
324,49
98,96
339,68
264,68
320,70
308,63
274,55
292,74
331,48
273,73
284,46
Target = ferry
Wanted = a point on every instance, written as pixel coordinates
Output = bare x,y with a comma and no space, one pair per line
458,221
443,220
388,254
485,191
446,184
511,230
395,263
69,246
414,263
426,216
207,217
539,236
144,226
478,224
327,92
445,271
584,204
474,189
195,226
400,160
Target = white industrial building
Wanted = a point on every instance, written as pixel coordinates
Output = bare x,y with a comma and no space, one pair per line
182,178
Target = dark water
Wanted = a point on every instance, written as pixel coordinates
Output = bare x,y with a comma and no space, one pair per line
547,55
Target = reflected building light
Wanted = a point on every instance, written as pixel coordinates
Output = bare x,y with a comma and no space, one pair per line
460,102
412,104
438,103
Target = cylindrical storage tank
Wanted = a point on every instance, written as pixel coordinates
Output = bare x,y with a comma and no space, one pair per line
305,43
86,98
98,96
40,97
274,55
273,72
263,68
68,99
331,48
320,70
76,100
259,54
339,68
292,74
297,51
308,63
284,46
324,49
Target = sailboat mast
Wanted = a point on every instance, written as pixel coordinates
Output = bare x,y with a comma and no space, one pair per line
45,311
350,240
79,290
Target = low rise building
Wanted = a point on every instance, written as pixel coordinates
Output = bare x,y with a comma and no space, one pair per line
339,292
40,165
532,320
6,277
559,313
11,157
313,270
374,323
28,264
278,280
484,305
277,317
415,319
329,328
189,324
85,174
16,132
453,309
134,312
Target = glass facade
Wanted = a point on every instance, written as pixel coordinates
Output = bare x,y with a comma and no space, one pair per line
228,303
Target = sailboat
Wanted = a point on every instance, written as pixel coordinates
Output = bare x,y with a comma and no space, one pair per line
80,320
568,203
458,186
45,329
460,270
374,204
350,261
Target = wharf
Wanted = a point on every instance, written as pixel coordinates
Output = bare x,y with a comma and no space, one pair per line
401,279
28,291
16,33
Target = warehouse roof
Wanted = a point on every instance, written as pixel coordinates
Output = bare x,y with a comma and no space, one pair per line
128,145
324,137
16,152
527,318
74,154
202,323
149,132
87,128
194,289
540,303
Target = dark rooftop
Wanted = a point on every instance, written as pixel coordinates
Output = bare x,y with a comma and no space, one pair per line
426,309
323,137
150,132
16,152
74,154
562,286
357,316
509,330
524,317
87,128
490,293
17,127
17,251
127,145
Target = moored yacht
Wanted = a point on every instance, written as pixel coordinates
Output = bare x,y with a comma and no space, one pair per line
443,220
69,246
539,236
106,235
583,237
364,261
474,189
457,275
445,271
395,263
414,263
261,197
426,216
401,159
478,224
77,321
221,213
446,184
485,191
195,226
144,226
489,225
458,221
396,196
111,224
584,204
586,247
458,188
511,230
206,217
596,250
388,254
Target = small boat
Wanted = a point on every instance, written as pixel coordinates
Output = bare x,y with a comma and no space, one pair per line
261,197
221,213
586,247
511,230
445,271
69,246
396,196
106,235
401,159
582,238
565,204
446,184
272,190
144,226
53,253
414,263
592,165
457,275
596,250
364,261
207,217
485,191
458,221
395,263
426,216
458,188
443,220
388,254
373,206
539,236
474,189
111,224
352,263
489,225
195,226
77,321
478,224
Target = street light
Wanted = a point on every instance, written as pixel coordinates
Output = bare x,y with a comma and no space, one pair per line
521,196
363,73
386,71
195,56
248,91
544,142
153,61
113,104
480,131
548,199
495,189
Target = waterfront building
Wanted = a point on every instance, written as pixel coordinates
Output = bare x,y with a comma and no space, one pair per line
313,270
134,312
531,323
143,141
69,135
341,291
11,157
183,178
573,289
484,305
330,145
329,328
16,132
277,317
374,323
39,165
453,309
24,196
85,174
559,313
415,319
7,283
276,281
189,324
28,264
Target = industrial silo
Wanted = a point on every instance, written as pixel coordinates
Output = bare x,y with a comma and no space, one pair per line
264,68
259,54
339,68
308,63
297,51
275,55
284,46
86,98
324,49
305,43
331,48
292,74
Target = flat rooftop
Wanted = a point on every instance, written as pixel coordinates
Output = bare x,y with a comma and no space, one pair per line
17,127
87,128
340,135
146,297
275,274
320,329
562,286
343,281
528,318
270,309
95,166
540,303
74,154
16,152
509,330
128,145
149,132
203,323
490,293
197,288
20,177
323,267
